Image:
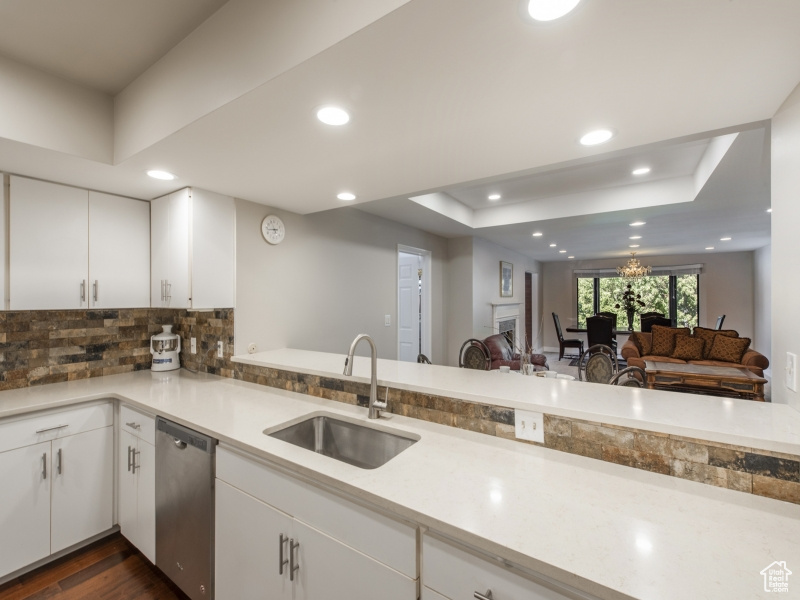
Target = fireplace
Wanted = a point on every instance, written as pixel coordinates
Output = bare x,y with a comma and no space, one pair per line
506,320
507,329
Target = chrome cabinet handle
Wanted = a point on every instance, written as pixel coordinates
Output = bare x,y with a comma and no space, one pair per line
58,461
134,466
167,290
292,565
486,596
95,287
52,428
44,465
83,290
281,561
129,459
133,425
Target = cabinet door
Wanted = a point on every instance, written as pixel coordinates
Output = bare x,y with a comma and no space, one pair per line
82,494
247,547
329,570
213,250
49,245
179,286
126,489
119,252
25,509
145,467
159,249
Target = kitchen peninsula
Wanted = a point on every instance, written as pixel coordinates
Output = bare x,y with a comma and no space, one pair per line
584,527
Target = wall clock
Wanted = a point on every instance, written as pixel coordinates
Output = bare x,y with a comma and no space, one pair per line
273,229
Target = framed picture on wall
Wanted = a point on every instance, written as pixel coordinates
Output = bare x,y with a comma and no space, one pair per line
506,279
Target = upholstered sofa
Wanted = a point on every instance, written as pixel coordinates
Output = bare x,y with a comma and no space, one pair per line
640,348
504,356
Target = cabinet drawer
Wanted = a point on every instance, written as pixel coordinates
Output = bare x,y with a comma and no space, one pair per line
139,424
455,573
385,539
53,425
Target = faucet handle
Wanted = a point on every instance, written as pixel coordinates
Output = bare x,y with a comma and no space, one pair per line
346,361
385,404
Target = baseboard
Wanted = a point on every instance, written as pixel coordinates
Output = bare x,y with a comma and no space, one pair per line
550,349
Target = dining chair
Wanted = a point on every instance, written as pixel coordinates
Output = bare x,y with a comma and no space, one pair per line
629,377
647,315
610,315
422,359
600,330
474,355
562,343
601,364
647,323
720,320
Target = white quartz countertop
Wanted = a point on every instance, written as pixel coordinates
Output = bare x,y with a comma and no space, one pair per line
760,425
606,529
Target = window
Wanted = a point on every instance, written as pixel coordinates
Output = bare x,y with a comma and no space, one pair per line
676,296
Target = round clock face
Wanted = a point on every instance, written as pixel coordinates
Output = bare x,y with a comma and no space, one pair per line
272,229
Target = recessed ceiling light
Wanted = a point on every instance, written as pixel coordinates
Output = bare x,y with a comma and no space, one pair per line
598,136
537,234
346,196
635,237
641,171
709,247
552,245
333,115
550,10
164,175
633,246
638,223
769,210
570,257
494,197
562,251
725,239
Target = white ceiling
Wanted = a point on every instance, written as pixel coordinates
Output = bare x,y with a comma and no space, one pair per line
445,96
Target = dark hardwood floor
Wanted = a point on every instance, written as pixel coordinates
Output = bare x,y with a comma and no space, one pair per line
109,569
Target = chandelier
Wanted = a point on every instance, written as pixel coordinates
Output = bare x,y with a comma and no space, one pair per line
633,269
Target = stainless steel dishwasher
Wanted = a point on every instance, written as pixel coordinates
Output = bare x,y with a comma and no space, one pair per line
185,508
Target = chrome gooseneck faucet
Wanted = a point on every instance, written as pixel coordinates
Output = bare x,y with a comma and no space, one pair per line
375,407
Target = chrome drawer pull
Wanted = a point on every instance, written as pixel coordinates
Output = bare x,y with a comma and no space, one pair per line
292,566
52,428
133,425
281,561
486,596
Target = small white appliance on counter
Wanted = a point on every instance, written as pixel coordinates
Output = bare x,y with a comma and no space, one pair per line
166,349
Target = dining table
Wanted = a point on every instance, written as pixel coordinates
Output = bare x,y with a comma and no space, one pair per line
613,331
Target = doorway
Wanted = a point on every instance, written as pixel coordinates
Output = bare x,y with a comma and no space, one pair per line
413,303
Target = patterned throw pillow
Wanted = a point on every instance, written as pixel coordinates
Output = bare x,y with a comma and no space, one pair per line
709,334
664,339
688,347
643,342
728,349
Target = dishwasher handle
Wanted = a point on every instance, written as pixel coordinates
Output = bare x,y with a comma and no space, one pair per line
179,443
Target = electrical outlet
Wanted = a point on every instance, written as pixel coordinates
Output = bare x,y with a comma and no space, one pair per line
387,320
219,349
529,425
193,345
791,371
251,348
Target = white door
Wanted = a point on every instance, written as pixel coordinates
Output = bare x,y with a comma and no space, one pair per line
119,252
25,508
247,559
329,570
126,488
49,245
82,488
145,468
408,305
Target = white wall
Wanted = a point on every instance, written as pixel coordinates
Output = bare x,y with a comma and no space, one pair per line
762,299
785,227
726,287
459,296
333,277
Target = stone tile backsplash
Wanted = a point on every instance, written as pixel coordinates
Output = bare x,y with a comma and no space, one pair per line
50,346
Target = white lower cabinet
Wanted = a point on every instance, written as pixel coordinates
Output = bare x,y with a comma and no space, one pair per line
449,572
57,473
267,548
136,468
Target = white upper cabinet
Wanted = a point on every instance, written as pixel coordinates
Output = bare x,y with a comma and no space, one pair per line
119,252
49,245
71,248
193,250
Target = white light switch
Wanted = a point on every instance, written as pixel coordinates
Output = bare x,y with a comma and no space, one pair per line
791,371
193,344
387,320
219,349
529,425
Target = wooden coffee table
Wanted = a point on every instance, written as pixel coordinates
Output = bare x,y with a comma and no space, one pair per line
737,382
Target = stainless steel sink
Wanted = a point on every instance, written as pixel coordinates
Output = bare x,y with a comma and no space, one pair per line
347,441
